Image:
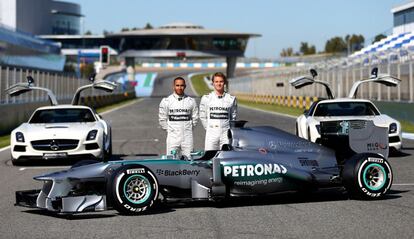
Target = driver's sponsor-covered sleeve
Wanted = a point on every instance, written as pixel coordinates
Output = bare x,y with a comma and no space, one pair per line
163,114
203,110
195,113
233,112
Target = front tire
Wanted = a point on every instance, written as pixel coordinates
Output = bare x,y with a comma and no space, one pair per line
132,189
367,176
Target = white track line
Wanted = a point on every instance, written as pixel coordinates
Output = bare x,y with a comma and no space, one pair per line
189,76
5,148
403,184
408,135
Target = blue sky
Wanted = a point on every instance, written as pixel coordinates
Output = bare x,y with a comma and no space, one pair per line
282,24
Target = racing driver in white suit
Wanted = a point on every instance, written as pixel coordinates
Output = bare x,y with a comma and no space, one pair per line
217,109
178,114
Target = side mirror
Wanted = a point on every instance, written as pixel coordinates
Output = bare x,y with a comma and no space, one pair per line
374,72
30,80
92,77
313,73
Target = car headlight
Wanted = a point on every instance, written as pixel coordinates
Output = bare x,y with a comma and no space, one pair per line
318,128
392,128
19,137
92,134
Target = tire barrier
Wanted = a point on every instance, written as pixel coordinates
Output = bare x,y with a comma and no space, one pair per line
301,102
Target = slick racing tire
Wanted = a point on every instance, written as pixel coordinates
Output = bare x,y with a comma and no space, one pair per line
132,189
367,176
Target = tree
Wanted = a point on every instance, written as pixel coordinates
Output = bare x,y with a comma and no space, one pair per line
335,45
306,49
354,42
124,29
135,28
88,32
379,37
148,26
287,52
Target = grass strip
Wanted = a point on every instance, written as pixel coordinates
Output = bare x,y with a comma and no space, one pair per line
407,126
4,140
274,108
199,85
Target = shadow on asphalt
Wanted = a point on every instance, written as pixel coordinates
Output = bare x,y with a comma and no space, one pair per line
69,216
399,154
323,195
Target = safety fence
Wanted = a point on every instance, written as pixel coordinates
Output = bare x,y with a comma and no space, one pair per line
63,85
275,82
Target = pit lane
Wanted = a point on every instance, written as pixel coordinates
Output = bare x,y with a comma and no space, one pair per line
324,214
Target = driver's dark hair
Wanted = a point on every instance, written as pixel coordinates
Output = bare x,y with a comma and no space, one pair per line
219,74
178,78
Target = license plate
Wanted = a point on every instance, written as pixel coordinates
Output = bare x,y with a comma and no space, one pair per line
54,155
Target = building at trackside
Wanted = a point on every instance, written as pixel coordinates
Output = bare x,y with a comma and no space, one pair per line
403,16
175,41
41,17
22,20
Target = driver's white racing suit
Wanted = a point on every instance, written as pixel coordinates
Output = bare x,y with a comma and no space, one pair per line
215,115
178,115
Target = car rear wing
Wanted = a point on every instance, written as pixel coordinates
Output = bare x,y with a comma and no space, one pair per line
104,85
303,81
23,87
384,79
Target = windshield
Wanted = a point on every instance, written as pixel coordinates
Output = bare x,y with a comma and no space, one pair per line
346,109
62,116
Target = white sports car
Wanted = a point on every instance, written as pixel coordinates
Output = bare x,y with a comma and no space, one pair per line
61,131
338,111
334,111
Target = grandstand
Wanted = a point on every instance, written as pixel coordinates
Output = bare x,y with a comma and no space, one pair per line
27,51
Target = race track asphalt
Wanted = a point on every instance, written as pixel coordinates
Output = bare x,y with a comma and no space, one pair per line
324,214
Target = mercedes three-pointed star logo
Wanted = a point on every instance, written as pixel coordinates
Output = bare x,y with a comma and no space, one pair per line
54,145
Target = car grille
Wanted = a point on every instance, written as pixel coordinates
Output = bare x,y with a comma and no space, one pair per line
55,144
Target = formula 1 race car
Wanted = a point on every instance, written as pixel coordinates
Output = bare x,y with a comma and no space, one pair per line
259,161
61,131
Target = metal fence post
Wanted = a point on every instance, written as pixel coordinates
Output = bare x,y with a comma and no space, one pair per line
411,82
14,82
399,77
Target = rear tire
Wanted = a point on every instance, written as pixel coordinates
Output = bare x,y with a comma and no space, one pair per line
367,176
132,189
